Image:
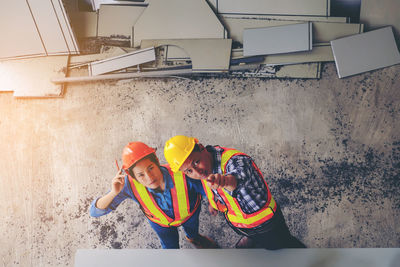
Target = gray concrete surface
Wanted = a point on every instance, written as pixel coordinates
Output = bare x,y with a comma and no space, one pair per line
329,149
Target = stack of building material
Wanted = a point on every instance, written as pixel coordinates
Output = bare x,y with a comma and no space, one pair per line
254,38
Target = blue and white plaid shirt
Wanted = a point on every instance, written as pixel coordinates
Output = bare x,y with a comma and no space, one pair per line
251,192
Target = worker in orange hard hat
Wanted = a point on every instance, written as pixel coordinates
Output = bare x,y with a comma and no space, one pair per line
235,186
167,198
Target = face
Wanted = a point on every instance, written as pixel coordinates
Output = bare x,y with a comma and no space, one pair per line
148,174
198,165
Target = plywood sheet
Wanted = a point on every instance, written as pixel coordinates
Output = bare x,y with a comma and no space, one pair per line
118,20
306,70
31,77
207,55
322,31
364,52
122,62
278,39
177,19
272,7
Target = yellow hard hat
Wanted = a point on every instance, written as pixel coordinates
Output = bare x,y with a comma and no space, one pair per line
177,149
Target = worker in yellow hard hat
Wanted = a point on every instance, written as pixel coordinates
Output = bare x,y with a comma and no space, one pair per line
235,186
167,198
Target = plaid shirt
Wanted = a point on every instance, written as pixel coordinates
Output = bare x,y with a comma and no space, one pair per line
251,192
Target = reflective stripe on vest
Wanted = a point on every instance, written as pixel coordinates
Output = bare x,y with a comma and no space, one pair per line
234,213
180,201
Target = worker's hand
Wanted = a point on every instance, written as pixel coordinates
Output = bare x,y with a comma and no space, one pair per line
217,180
212,211
118,183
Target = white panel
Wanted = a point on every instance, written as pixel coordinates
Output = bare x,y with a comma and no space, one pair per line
49,26
364,52
122,62
31,77
322,31
332,257
274,7
276,40
207,55
65,26
19,36
177,19
117,19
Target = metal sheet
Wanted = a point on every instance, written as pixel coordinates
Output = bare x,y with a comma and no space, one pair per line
277,40
364,52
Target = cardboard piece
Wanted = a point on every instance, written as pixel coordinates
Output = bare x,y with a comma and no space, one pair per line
31,77
122,62
186,19
207,55
278,39
364,52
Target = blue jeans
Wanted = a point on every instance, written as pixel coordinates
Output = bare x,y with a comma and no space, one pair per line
169,236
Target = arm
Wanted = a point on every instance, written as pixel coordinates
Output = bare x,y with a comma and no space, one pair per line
112,199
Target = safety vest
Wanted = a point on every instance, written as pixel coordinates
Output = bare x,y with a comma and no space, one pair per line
231,209
180,201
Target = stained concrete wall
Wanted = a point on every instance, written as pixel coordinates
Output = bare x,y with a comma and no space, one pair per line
329,149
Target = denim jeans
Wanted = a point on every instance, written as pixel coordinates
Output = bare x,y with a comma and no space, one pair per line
273,234
169,236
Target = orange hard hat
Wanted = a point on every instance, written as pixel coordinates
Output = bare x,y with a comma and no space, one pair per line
133,152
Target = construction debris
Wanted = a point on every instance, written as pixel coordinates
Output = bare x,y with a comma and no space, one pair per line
158,38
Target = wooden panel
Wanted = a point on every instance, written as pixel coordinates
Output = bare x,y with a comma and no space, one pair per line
207,55
31,77
187,19
122,62
118,20
277,40
364,52
273,7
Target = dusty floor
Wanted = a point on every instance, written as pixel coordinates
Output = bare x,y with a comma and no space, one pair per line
329,149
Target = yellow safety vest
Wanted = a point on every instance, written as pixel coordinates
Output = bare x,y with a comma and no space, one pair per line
180,201
232,210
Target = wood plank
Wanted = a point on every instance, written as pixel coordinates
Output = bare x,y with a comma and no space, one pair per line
272,7
122,62
365,52
322,31
187,19
306,70
278,39
118,20
207,55
31,77
79,60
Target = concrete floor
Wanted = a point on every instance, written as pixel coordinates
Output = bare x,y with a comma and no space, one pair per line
329,149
